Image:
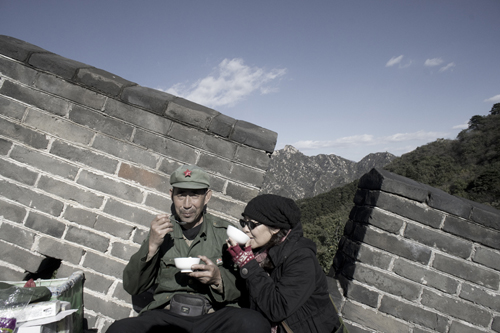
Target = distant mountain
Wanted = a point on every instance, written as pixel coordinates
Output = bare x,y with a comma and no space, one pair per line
297,176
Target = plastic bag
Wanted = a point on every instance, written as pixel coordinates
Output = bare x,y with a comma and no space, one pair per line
7,325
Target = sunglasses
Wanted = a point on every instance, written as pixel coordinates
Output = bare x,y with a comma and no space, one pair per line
250,224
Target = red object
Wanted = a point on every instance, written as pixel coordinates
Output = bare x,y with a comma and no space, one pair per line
30,284
187,173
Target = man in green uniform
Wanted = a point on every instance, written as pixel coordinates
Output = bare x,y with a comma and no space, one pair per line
204,300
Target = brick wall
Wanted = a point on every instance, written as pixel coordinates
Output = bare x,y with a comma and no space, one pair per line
416,259
85,159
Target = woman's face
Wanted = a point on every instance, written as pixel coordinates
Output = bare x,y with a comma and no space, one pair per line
260,234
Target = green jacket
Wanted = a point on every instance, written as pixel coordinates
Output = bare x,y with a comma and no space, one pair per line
139,275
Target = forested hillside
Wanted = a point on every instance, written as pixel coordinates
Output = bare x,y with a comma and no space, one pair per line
468,166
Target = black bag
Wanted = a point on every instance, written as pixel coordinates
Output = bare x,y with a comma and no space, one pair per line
189,305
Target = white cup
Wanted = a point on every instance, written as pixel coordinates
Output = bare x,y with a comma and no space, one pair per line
237,235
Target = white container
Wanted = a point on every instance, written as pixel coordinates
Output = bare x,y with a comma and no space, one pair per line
184,264
237,235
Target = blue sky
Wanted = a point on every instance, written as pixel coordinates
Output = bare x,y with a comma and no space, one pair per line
330,77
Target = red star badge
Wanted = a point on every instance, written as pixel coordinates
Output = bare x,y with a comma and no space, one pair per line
187,173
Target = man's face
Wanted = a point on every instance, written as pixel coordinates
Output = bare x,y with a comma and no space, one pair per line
189,203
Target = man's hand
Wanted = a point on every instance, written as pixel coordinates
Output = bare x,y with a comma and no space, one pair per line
160,227
207,274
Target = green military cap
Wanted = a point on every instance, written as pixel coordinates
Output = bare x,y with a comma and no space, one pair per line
190,176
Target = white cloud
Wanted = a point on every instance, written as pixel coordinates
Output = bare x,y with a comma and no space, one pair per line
433,62
447,67
230,82
369,140
494,99
394,61
461,126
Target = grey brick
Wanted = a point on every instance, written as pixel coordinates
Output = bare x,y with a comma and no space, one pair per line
35,98
413,314
480,296
20,257
472,231
487,257
425,276
80,216
70,91
222,125
12,109
361,294
166,146
140,235
87,238
11,211
441,200
147,98
169,166
56,64
373,319
9,274
104,264
44,162
467,271
97,282
246,175
439,240
392,244
125,151
378,218
45,224
16,172
229,208
145,177
486,215
121,294
254,136
404,207
203,140
252,157
105,307
240,192
161,203
101,122
496,324
129,213
137,116
215,164
123,251
189,112
5,146
367,255
23,134
52,248
16,235
113,227
457,327
30,198
380,179
456,308
16,48
217,184
59,127
17,71
385,282
101,80
70,192
110,186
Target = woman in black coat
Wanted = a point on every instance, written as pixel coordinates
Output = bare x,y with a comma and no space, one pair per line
283,276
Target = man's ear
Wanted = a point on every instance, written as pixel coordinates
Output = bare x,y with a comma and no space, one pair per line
208,196
171,191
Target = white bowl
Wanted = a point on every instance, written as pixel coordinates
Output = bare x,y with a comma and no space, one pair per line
184,264
237,235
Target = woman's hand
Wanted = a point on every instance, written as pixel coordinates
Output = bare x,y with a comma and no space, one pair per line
240,257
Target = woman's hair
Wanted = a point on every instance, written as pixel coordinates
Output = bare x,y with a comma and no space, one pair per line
267,264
